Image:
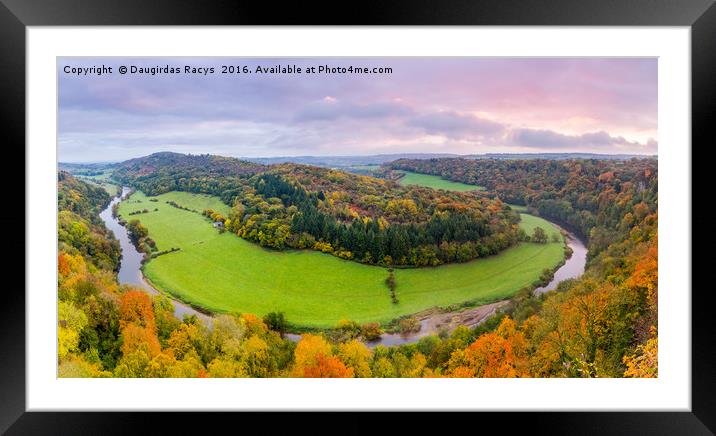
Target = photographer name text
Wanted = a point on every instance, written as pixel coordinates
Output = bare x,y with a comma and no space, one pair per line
233,69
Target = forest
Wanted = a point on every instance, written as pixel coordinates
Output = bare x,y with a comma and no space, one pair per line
79,228
354,217
601,200
603,324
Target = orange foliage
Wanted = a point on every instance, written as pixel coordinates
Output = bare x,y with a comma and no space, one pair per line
502,353
327,367
71,269
136,338
136,307
314,358
308,348
646,273
63,266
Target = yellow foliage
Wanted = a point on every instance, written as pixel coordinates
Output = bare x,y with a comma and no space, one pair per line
644,362
307,350
71,321
225,368
255,357
77,367
357,356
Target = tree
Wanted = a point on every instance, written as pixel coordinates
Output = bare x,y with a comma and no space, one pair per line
71,321
133,364
255,358
409,325
371,331
222,367
539,235
501,354
164,318
276,321
137,231
227,334
78,367
347,330
135,337
328,367
136,307
383,368
354,354
314,358
390,282
644,362
186,339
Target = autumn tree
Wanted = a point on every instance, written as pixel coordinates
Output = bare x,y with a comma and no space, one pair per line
500,354
644,362
356,355
371,331
314,358
136,307
71,321
135,337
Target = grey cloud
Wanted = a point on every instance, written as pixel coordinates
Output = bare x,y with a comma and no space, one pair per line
333,110
455,125
549,139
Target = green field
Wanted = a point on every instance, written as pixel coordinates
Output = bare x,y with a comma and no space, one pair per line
102,180
518,208
111,188
222,272
435,182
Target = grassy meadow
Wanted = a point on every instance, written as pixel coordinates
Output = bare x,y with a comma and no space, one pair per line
435,182
223,273
102,180
111,188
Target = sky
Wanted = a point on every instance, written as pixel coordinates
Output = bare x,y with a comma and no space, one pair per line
426,105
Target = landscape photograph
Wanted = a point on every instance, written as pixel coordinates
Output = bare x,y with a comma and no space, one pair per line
388,217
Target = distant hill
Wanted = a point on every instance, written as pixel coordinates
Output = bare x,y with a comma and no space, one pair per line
380,159
86,169
558,156
200,164
346,161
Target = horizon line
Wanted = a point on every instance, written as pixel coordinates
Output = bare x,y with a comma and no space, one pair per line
371,155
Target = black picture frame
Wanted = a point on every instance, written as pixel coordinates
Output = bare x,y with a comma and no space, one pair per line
699,15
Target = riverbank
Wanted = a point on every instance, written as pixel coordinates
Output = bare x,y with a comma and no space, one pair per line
130,269
431,320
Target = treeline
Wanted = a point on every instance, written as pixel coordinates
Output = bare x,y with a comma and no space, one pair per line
79,227
353,217
589,196
380,241
393,231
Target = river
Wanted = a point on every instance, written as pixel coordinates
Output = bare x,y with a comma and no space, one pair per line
573,267
130,269
431,321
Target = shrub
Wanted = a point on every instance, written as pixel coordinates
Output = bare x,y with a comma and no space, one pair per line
409,325
371,331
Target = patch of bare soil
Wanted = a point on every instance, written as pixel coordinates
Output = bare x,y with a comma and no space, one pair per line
434,321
